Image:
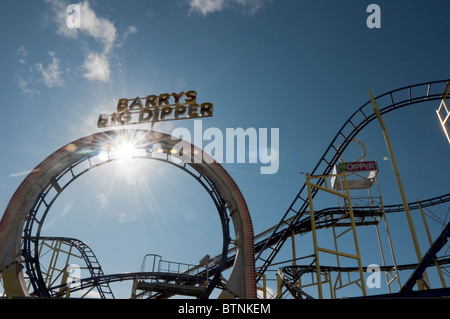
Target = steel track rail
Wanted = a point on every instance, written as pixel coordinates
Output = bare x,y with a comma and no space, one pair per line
290,274
387,102
303,225
212,177
86,283
92,263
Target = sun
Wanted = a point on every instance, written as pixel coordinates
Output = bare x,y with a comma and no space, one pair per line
126,146
123,153
126,150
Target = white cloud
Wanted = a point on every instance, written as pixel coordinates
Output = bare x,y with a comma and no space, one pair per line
23,85
252,5
59,8
96,64
97,67
51,74
24,81
22,53
206,7
131,29
99,28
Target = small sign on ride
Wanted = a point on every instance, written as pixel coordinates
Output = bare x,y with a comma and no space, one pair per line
357,166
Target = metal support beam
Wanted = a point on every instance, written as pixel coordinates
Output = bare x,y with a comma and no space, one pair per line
426,260
444,119
399,181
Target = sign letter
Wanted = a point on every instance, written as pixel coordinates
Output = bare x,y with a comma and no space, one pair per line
373,281
373,20
74,19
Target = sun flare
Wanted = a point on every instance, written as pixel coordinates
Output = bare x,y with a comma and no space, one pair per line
125,150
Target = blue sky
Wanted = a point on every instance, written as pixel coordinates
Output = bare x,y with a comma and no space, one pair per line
300,66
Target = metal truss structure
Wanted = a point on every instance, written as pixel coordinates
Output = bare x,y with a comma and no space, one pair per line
300,213
253,261
32,201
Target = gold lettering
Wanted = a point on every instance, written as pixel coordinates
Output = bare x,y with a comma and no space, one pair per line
122,105
103,120
165,111
191,97
177,97
113,119
206,109
136,105
192,112
151,100
179,110
164,99
124,117
162,107
146,115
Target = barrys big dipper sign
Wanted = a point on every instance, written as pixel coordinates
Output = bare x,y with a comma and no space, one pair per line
156,108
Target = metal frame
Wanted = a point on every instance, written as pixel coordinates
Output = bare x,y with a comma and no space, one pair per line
296,219
399,182
290,275
348,209
295,214
32,200
31,255
85,253
158,287
444,119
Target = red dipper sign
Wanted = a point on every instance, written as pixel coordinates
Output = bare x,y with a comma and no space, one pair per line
357,166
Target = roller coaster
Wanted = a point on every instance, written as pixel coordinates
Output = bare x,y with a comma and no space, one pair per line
37,266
